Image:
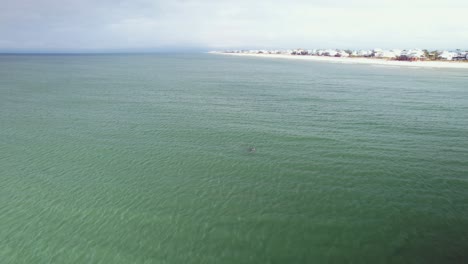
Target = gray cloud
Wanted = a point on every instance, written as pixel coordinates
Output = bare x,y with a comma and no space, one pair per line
65,25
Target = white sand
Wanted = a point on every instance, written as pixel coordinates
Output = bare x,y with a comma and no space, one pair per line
383,62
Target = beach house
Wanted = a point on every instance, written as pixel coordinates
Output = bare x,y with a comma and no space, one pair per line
412,55
364,53
447,55
330,52
460,55
386,54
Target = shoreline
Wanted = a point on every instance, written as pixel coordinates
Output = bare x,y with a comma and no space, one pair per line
351,60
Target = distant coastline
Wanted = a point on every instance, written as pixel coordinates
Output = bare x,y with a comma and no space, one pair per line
356,60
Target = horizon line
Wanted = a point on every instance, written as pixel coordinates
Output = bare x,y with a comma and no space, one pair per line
94,52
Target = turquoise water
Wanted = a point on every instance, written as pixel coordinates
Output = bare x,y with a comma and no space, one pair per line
144,159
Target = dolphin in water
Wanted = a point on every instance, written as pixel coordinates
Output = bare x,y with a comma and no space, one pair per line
251,149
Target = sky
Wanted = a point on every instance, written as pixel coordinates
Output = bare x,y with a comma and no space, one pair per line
187,25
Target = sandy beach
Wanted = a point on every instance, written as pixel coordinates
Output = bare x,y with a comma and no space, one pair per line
383,62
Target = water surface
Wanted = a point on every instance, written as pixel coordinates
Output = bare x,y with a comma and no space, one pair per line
145,159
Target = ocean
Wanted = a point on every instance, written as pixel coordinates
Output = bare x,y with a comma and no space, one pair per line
203,158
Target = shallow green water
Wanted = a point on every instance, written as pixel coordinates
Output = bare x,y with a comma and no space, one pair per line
144,159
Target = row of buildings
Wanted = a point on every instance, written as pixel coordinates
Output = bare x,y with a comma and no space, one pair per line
395,54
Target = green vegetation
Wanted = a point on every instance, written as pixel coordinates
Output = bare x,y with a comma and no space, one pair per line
432,55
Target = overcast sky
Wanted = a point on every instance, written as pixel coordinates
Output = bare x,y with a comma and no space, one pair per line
106,25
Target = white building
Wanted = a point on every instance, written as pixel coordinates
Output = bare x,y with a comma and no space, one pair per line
415,54
330,52
389,54
342,53
447,55
364,53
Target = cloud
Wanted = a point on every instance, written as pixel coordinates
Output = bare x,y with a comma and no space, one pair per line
146,24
